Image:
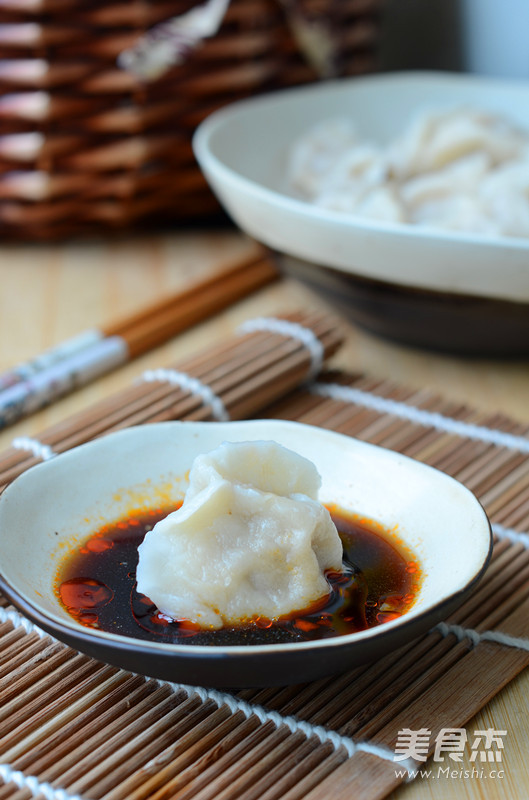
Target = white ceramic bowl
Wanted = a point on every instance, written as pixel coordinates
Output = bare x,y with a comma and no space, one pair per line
72,495
453,291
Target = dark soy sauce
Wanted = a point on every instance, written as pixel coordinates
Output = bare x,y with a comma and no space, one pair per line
97,586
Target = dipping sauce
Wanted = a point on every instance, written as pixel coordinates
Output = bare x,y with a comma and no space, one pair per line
379,582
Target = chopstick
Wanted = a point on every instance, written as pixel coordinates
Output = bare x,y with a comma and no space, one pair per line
247,371
77,361
142,332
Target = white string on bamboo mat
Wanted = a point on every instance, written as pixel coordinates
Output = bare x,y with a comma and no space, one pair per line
293,724
420,416
38,449
36,787
19,621
292,330
509,533
7,773
475,637
191,385
248,709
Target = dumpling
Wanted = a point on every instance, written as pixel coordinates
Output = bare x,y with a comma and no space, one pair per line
461,169
316,153
456,213
437,139
461,177
250,539
352,178
505,195
384,204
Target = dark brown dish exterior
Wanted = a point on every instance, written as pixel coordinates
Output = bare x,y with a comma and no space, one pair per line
447,322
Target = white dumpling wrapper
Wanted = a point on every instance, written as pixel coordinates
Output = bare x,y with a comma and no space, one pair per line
383,203
437,139
505,195
456,213
250,539
460,177
316,153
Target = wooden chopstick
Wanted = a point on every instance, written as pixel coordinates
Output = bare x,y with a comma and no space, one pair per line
246,371
32,385
152,326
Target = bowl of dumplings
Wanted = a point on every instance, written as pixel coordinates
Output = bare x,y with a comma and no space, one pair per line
255,553
401,198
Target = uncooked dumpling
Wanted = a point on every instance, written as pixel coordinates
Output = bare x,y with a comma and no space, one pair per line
249,540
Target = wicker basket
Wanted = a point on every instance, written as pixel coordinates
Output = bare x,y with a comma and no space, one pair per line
85,146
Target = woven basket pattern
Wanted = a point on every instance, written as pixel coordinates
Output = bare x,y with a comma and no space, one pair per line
86,146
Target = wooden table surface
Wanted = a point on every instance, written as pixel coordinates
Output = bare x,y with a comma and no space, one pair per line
52,292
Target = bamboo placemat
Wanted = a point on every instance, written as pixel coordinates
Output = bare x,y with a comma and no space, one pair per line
71,726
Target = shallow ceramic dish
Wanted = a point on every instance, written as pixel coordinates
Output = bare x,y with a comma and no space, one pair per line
451,291
53,504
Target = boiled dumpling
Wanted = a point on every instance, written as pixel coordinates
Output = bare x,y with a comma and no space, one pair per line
440,138
505,196
384,204
250,539
461,169
316,154
462,177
